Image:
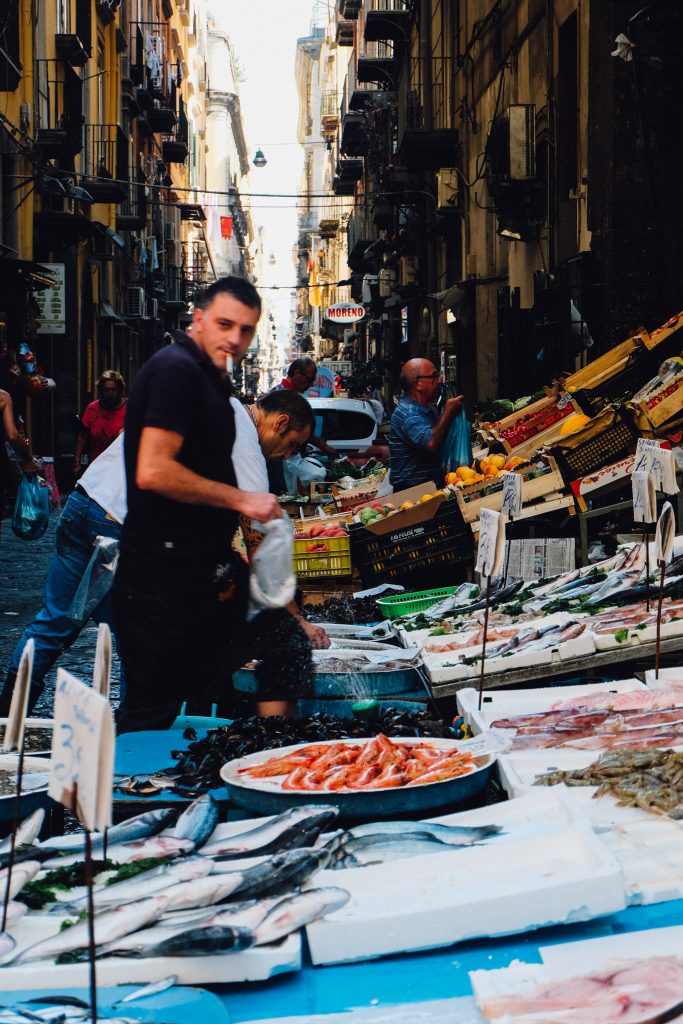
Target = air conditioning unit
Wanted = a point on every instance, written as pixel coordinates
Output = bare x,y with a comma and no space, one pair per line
522,141
447,189
135,302
170,231
407,271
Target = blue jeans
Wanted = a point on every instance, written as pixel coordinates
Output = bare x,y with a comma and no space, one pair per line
53,631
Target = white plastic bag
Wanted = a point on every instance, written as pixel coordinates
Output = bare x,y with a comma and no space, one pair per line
306,470
97,579
272,583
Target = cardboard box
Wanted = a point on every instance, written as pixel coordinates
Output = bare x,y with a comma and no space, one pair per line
421,512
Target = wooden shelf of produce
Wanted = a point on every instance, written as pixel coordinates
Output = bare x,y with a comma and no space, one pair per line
533,489
608,365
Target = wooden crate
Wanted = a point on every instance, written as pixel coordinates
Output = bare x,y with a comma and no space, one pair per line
662,333
532,490
607,365
536,441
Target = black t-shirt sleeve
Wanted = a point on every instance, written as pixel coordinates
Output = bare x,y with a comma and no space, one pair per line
172,398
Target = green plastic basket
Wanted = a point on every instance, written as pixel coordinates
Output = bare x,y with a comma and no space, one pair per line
408,604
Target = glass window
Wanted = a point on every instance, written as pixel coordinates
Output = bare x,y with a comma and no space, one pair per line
343,425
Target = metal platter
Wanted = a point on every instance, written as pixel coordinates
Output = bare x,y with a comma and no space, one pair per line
266,796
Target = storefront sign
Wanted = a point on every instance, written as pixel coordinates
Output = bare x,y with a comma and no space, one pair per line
345,313
52,302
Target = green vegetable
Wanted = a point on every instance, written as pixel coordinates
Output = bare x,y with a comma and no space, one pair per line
439,631
39,893
621,636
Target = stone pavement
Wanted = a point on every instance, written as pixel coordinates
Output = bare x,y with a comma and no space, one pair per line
23,568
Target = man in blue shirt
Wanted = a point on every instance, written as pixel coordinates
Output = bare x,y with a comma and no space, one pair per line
418,432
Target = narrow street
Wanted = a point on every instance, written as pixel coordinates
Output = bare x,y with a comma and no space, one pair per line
23,568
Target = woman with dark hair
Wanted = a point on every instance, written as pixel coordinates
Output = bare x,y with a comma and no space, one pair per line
103,420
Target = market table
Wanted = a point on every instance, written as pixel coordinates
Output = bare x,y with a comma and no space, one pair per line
436,974
600,660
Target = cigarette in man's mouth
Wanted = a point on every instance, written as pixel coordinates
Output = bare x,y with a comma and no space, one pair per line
229,364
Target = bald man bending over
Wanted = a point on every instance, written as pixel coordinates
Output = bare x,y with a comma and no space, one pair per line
417,431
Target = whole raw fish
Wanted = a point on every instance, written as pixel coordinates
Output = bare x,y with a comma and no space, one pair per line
26,835
197,821
200,941
266,836
451,835
109,925
147,883
298,910
21,874
139,849
139,827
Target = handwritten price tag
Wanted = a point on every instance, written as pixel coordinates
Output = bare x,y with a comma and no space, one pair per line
82,752
660,462
644,497
16,720
102,672
491,543
512,494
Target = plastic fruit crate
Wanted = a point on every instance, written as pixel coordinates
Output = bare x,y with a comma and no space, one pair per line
335,561
414,550
408,604
608,437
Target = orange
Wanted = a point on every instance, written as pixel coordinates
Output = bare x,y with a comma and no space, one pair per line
426,497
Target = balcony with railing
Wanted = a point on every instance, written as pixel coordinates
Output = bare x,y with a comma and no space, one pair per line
357,94
59,112
329,111
105,163
175,289
387,19
174,146
426,144
344,33
132,213
156,77
349,9
361,233
379,63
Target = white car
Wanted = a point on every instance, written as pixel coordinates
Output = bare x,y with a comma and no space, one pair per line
348,424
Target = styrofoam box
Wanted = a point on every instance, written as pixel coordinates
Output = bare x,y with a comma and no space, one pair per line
503,703
565,874
519,771
668,629
571,959
667,676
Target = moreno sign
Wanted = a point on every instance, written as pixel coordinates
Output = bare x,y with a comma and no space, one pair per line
345,312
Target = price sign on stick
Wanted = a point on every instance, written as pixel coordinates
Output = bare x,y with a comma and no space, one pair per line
665,535
512,494
644,497
14,733
102,672
491,543
82,760
660,462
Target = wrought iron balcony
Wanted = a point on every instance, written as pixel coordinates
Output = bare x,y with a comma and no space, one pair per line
174,147
361,233
329,111
349,168
387,19
379,63
132,214
69,47
354,138
105,162
349,8
357,95
344,34
175,288
59,113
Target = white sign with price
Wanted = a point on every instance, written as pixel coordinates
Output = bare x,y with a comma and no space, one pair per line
82,752
491,543
644,497
512,494
665,535
660,462
16,721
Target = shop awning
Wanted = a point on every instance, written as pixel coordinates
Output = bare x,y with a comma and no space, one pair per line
24,272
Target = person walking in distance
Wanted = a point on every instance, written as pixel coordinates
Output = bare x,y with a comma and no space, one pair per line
102,421
171,614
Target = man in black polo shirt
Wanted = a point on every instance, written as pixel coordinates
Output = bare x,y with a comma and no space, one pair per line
173,615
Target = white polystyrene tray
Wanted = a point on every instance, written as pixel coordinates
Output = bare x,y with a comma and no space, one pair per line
256,964
436,1011
519,771
504,703
666,677
575,958
515,885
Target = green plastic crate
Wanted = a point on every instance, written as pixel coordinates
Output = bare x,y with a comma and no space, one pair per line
408,604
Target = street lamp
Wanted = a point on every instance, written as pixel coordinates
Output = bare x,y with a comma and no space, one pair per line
259,159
